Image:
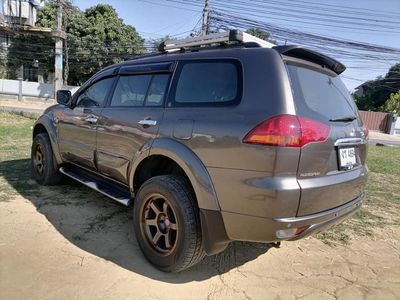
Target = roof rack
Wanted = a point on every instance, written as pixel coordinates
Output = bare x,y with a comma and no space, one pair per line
228,37
146,55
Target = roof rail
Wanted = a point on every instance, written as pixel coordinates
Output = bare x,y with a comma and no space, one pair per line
146,55
228,37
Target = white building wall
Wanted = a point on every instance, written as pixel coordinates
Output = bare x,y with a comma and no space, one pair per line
30,89
397,126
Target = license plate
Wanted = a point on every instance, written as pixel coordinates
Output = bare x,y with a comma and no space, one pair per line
347,157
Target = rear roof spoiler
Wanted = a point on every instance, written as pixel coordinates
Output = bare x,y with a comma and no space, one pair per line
312,56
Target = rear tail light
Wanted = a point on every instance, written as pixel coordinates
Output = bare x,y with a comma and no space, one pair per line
288,131
291,232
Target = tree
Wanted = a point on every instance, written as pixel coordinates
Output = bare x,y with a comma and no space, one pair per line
264,35
96,38
35,53
393,103
376,92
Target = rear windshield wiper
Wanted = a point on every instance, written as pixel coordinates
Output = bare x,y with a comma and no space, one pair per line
343,119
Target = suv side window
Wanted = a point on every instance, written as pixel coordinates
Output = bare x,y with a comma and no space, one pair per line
208,83
139,90
131,90
158,87
95,94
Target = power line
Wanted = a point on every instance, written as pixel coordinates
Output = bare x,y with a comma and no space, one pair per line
271,10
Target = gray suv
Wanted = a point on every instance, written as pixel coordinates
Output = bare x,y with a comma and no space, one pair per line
212,144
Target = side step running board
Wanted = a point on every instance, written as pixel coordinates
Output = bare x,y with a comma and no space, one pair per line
98,184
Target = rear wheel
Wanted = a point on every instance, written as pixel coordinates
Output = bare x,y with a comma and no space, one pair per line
43,164
167,224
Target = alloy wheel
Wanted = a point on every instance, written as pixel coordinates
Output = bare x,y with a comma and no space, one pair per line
159,224
38,159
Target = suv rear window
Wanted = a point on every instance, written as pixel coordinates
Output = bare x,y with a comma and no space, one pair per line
211,82
321,93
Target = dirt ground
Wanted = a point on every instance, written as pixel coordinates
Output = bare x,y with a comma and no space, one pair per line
79,245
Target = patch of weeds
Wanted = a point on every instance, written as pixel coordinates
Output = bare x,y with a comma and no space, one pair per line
362,223
334,236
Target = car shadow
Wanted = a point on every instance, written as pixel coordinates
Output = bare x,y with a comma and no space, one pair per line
104,228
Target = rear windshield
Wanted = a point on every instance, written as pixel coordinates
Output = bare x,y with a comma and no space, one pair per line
320,93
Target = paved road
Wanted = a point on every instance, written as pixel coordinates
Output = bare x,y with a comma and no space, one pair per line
382,138
384,142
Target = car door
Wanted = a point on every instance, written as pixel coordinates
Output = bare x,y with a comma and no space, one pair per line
132,118
77,126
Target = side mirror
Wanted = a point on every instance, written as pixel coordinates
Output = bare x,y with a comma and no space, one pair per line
64,97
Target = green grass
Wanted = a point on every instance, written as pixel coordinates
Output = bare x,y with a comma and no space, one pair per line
381,206
15,142
384,160
15,136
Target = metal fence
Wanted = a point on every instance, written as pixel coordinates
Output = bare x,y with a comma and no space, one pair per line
376,120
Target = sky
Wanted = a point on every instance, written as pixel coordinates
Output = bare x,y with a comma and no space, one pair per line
157,18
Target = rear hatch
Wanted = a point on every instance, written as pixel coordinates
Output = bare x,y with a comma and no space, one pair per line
330,172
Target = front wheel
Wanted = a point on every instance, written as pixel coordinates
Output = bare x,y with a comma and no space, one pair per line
43,164
167,225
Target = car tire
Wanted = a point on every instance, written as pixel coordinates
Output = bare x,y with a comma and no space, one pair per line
167,223
43,164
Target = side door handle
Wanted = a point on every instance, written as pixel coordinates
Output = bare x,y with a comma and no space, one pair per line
91,119
147,122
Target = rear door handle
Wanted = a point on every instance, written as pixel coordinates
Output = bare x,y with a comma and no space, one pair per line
148,122
91,119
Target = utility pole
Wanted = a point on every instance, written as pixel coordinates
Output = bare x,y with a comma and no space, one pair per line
58,66
204,28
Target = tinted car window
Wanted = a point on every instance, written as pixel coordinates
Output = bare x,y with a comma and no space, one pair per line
131,90
158,87
320,93
209,82
95,94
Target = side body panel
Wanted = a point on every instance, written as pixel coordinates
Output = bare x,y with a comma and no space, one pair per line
120,138
77,126
77,136
193,167
49,121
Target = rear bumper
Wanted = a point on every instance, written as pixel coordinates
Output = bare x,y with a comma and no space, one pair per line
257,229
